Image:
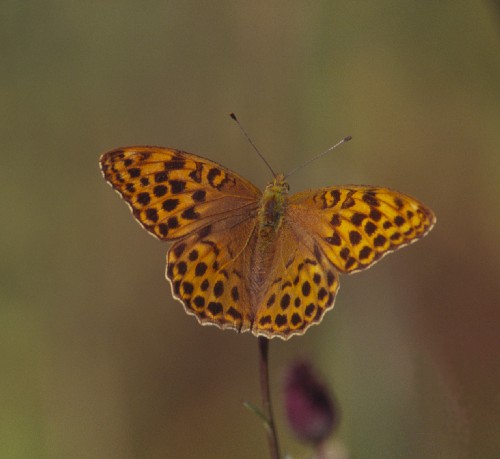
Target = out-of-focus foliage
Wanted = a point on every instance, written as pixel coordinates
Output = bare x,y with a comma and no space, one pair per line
97,359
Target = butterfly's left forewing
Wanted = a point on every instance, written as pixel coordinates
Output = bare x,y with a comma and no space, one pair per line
173,193
356,225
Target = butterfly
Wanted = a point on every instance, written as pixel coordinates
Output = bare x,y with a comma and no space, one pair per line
251,260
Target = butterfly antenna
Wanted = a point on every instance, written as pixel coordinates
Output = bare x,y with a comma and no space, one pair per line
344,140
233,116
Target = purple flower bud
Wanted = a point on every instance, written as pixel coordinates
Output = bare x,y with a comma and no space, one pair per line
309,406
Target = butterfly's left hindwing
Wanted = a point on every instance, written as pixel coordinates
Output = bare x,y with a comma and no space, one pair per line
173,193
207,271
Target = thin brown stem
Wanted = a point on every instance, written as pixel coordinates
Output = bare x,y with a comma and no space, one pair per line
321,451
272,437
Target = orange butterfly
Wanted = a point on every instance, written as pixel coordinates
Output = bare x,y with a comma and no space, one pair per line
260,261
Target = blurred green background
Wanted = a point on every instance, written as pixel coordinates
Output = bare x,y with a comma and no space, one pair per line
98,360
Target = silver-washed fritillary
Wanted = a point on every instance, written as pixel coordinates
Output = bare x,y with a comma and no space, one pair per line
264,261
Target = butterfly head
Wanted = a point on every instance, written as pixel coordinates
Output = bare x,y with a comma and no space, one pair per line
278,186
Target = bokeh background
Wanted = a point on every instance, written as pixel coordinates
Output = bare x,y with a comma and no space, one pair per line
96,358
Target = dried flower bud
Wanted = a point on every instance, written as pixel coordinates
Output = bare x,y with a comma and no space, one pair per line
310,409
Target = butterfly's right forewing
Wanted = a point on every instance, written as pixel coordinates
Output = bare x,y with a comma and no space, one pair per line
356,225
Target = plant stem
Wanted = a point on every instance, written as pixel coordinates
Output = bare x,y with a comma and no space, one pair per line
272,438
320,451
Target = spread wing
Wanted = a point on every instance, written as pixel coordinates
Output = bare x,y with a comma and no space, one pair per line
208,210
173,193
354,226
208,273
344,229
300,288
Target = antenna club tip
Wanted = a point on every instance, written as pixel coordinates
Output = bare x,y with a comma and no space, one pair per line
233,116
346,139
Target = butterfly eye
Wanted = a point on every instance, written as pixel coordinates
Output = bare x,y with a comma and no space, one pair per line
286,187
